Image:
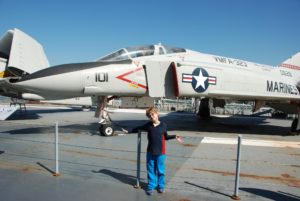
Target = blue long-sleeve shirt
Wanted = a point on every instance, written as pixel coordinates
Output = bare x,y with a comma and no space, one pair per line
157,135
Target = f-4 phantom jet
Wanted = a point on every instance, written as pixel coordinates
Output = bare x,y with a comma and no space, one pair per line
162,71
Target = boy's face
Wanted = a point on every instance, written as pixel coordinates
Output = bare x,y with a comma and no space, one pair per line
153,117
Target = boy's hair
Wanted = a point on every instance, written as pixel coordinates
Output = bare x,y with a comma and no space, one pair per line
151,110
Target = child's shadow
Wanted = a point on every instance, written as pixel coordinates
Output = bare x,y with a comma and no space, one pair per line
124,178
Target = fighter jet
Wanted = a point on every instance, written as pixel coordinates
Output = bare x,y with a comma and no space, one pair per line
170,72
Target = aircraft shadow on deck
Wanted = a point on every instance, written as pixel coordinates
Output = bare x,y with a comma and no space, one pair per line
34,113
91,129
211,126
234,124
175,122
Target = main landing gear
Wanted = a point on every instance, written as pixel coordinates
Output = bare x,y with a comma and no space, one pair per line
204,110
295,128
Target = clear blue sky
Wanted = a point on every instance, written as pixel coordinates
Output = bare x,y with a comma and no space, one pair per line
262,31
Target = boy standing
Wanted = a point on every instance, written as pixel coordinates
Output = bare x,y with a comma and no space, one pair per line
156,150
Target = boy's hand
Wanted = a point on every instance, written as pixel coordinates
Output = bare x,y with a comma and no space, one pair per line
179,139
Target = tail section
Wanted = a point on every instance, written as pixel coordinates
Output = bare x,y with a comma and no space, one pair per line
292,62
20,54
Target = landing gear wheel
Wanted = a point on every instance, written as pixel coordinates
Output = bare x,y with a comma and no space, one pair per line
294,130
107,130
294,125
204,111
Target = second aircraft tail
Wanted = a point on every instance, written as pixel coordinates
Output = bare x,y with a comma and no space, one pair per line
20,54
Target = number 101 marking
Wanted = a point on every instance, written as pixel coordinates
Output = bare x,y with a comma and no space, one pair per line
101,77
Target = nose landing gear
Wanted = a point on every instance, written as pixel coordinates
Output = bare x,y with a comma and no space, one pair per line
106,127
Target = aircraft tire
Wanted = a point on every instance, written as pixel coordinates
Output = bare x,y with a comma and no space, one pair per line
294,125
107,130
204,111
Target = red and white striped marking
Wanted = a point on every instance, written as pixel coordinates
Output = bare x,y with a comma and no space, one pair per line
212,80
290,66
187,78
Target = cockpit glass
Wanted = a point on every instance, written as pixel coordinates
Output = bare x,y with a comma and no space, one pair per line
170,49
139,51
116,56
129,52
161,50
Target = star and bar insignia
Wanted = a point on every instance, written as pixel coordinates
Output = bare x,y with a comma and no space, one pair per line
200,79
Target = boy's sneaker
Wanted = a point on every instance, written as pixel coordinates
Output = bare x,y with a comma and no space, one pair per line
149,192
161,190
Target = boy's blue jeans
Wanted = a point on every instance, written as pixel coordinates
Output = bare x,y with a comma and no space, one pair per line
156,171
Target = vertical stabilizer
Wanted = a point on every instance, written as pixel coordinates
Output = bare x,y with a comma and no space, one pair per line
293,62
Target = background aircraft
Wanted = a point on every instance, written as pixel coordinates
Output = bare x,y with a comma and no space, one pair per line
157,71
21,55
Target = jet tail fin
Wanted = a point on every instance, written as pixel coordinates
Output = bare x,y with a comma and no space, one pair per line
20,54
293,62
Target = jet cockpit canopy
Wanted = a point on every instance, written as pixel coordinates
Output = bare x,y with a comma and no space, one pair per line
139,51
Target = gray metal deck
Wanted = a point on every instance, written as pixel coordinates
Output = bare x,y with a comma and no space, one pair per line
93,167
